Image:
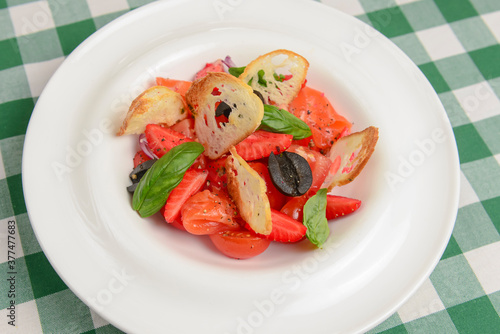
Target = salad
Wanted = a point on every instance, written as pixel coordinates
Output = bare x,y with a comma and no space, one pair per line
246,155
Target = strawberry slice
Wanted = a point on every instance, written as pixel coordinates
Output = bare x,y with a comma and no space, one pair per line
285,229
337,206
191,183
185,127
140,157
276,198
261,143
161,140
216,66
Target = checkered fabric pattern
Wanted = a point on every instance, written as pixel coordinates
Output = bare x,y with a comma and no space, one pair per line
456,44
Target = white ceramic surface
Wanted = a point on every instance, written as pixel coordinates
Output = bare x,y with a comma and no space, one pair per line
147,278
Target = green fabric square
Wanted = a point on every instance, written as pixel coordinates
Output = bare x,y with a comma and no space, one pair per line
492,207
400,329
423,14
489,131
6,209
64,14
495,301
108,329
3,3
468,30
486,6
16,194
72,35
435,78
453,109
495,85
63,312
466,76
390,21
6,28
12,152
40,46
44,279
475,316
13,86
436,323
452,249
15,116
22,284
392,322
411,45
373,5
10,55
92,331
455,10
138,3
28,238
487,61
470,144
455,282
484,177
101,21
364,18
473,228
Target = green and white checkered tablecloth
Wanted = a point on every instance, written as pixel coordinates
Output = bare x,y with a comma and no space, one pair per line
456,44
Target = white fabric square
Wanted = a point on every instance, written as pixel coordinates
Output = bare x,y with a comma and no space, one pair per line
467,194
99,7
479,101
492,20
404,2
424,302
497,157
15,241
352,7
485,262
39,73
31,18
440,42
2,168
27,319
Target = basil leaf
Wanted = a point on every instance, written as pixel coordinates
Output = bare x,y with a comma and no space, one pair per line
261,80
279,77
236,71
165,174
315,218
281,121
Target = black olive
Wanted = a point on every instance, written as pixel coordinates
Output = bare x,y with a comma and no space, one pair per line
138,172
290,173
260,96
223,109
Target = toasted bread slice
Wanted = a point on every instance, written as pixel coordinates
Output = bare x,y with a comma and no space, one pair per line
277,75
245,116
350,155
248,191
156,105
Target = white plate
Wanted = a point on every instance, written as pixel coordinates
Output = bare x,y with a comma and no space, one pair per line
147,278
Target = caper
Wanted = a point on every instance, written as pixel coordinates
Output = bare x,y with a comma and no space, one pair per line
290,173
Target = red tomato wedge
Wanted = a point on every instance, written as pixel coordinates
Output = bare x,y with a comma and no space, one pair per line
312,106
185,127
207,213
285,229
294,208
140,157
320,166
179,86
161,140
338,206
217,172
239,244
276,198
260,144
216,66
191,183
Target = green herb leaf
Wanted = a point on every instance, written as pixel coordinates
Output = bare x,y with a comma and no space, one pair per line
315,218
281,121
279,77
261,80
236,71
155,186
